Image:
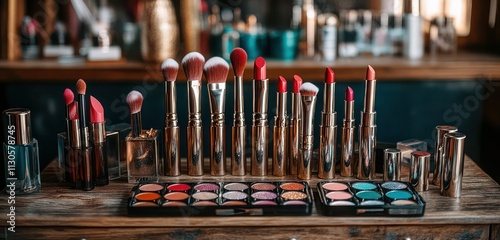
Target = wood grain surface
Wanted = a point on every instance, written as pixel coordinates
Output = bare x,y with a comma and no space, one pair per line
463,66
56,208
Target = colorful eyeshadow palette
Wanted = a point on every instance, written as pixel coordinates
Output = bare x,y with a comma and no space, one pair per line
220,198
367,198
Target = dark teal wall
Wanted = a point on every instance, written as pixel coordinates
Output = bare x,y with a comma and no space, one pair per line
409,109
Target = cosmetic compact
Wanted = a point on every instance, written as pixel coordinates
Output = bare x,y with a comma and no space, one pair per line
368,198
220,199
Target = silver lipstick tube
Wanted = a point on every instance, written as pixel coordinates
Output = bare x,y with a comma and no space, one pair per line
304,166
217,97
100,154
439,151
347,161
260,128
295,144
392,164
328,135
419,170
171,133
280,137
367,143
238,132
453,165
194,130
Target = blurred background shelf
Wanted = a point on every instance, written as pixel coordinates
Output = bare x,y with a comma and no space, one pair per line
463,66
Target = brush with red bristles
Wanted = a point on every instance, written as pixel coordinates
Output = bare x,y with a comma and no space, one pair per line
216,70
280,153
347,162
308,93
295,126
171,132
134,101
238,160
328,129
260,128
192,64
81,88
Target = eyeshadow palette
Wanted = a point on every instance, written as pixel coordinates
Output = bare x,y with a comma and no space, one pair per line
368,198
220,198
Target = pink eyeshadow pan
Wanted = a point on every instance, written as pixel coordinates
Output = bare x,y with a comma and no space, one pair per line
339,195
264,203
335,186
151,188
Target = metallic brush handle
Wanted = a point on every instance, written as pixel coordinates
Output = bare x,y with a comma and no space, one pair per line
295,144
260,134
195,150
327,152
172,150
367,143
238,157
218,145
280,153
304,167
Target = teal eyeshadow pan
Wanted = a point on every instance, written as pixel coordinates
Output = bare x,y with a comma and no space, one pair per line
398,194
364,186
371,195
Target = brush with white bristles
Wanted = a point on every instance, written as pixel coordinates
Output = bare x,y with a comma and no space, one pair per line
134,101
216,70
308,92
192,64
171,132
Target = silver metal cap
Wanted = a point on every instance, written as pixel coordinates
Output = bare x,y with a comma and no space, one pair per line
17,126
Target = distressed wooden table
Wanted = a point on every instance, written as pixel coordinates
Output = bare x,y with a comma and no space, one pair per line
59,212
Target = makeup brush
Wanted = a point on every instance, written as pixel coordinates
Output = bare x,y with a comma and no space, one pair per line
347,162
238,159
98,131
81,88
193,68
328,129
295,126
308,92
216,70
280,131
69,97
134,101
368,129
260,128
171,132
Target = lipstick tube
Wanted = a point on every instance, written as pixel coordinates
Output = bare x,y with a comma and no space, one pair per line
328,135
86,163
439,151
171,133
452,165
260,128
304,166
142,156
194,130
238,158
347,161
295,134
280,153
368,131
217,97
100,154
79,159
419,170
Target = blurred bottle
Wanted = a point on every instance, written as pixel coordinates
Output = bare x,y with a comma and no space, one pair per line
443,37
328,36
364,31
381,44
348,34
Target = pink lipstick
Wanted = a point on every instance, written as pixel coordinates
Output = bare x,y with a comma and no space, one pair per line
328,129
98,131
368,129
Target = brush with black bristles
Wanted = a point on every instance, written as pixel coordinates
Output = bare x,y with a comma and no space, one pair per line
134,101
216,70
171,132
193,68
308,92
238,158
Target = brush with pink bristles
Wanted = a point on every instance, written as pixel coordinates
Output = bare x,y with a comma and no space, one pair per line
193,68
134,101
216,70
308,93
238,133
171,132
